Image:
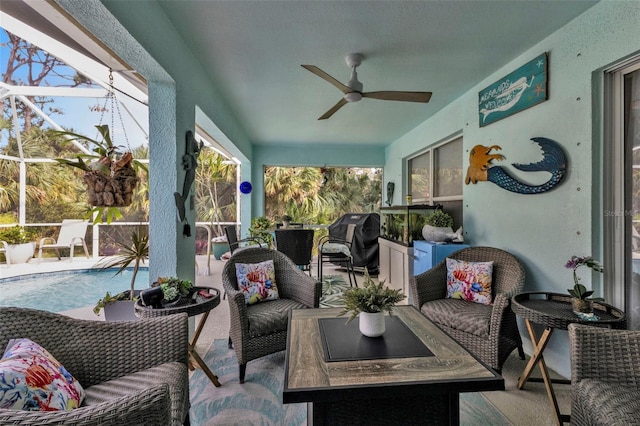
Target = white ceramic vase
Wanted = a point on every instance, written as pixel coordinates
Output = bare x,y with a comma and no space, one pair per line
372,324
21,253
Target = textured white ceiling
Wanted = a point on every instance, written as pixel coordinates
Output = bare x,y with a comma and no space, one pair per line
253,51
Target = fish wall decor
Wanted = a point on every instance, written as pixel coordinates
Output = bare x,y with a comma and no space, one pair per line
553,161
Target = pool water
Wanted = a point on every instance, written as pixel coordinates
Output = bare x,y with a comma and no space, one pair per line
66,290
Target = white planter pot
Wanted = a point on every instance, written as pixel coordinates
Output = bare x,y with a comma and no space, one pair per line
371,324
121,310
21,253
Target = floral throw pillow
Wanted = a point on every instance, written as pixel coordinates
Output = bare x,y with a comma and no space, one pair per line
33,380
257,281
470,281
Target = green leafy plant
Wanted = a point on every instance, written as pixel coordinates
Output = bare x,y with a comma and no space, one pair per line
105,153
173,287
286,218
108,299
261,226
107,166
371,298
136,252
16,235
579,291
440,219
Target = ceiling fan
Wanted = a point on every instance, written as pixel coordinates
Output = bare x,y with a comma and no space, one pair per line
353,89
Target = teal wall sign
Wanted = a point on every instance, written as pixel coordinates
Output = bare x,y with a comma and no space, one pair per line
523,88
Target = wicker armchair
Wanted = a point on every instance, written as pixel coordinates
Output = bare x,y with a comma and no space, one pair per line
261,329
605,376
488,331
133,372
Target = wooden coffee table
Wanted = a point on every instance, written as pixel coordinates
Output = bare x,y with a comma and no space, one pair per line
414,389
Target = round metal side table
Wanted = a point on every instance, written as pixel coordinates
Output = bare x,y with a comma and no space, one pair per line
199,304
554,311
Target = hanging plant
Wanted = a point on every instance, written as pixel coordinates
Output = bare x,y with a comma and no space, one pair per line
110,174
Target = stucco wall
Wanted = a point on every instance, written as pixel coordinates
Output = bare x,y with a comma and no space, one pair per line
543,230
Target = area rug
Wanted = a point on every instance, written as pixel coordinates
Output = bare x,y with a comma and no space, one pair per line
259,400
256,402
332,288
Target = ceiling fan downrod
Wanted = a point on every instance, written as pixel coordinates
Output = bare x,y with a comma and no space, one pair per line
354,60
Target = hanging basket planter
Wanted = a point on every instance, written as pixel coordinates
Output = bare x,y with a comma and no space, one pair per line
110,175
109,172
111,191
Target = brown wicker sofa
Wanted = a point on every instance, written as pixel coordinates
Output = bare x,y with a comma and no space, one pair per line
488,331
133,372
605,376
261,329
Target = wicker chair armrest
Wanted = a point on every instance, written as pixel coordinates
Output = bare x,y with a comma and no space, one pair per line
500,304
429,285
238,307
604,354
149,406
300,287
84,346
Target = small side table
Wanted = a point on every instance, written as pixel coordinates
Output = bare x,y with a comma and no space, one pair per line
554,311
199,305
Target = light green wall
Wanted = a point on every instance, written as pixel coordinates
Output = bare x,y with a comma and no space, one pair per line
543,230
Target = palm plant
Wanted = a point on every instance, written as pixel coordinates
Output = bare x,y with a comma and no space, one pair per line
215,190
137,253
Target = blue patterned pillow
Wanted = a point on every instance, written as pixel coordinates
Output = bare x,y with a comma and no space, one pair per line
32,379
257,281
470,281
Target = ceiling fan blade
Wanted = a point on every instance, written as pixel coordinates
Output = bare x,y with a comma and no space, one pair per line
333,109
399,96
317,71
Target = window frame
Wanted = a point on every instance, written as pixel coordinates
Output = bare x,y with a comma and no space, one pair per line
430,151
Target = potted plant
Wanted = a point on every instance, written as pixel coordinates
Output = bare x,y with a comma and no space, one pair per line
137,252
369,302
438,228
581,301
219,246
286,221
110,174
173,289
20,244
261,227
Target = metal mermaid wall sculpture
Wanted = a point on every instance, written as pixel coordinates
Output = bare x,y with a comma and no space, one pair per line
481,168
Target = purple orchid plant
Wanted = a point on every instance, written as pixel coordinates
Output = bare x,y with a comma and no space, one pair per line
580,291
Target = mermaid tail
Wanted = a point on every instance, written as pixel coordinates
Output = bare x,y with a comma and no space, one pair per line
554,161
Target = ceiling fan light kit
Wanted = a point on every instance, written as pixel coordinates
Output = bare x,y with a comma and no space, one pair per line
353,90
